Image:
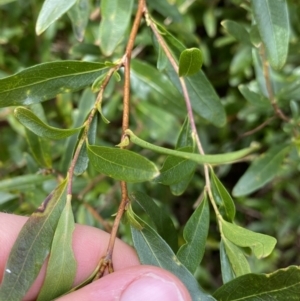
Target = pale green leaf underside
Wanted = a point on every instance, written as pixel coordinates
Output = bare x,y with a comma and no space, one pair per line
272,20
283,284
32,246
262,245
50,12
37,126
45,81
121,164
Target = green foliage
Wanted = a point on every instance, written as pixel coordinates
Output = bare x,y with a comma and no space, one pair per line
211,109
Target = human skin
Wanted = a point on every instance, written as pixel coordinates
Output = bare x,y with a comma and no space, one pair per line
130,281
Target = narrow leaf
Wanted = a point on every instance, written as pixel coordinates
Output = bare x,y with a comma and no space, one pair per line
153,250
45,81
222,196
167,9
115,20
195,234
227,271
50,12
163,223
180,187
79,15
32,246
37,126
238,262
190,62
284,284
121,164
237,31
262,245
273,25
261,171
201,159
61,268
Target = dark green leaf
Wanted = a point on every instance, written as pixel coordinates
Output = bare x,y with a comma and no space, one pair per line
50,12
180,187
32,246
190,62
115,20
167,9
227,272
79,15
161,218
185,136
262,245
238,262
222,196
283,284
273,24
195,234
153,250
237,31
121,164
261,171
45,81
61,267
37,126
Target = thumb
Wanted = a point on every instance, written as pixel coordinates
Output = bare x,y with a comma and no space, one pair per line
133,284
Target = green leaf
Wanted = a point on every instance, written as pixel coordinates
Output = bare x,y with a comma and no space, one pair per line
79,15
180,187
6,197
201,159
273,25
121,164
50,12
32,246
175,169
115,20
261,171
210,22
227,271
262,245
222,196
167,9
153,250
284,284
61,268
237,31
195,234
37,126
45,81
161,218
16,183
238,262
190,62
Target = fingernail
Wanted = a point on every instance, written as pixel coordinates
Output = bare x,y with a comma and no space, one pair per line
151,287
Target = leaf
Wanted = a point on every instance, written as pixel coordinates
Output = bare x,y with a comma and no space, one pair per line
160,217
210,22
50,12
167,9
227,272
32,246
273,25
79,15
205,102
262,245
121,164
195,234
175,169
45,81
190,62
6,197
222,196
237,31
201,159
115,20
37,126
153,250
16,183
180,187
238,262
261,171
284,284
61,267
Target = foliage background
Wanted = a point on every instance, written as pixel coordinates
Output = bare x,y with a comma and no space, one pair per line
228,63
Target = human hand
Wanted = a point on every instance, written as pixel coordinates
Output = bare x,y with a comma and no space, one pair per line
130,281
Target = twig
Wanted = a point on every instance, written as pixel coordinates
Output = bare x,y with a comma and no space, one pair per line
258,128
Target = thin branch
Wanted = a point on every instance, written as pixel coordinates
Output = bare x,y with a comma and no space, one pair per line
258,128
